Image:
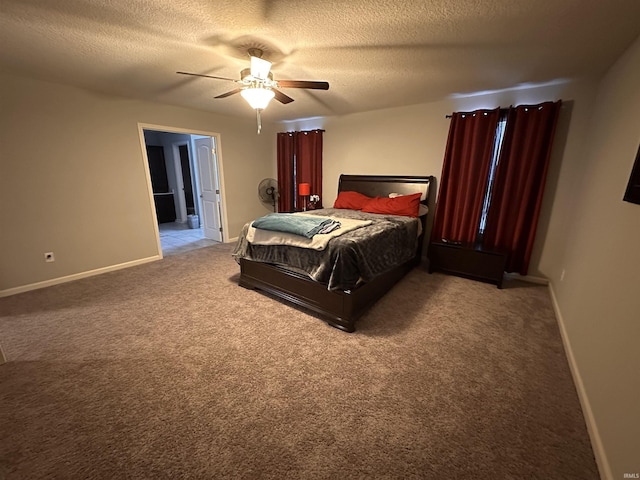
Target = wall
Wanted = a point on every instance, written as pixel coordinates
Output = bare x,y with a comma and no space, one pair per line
412,140
73,180
599,298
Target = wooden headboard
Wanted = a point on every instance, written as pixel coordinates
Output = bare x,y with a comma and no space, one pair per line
383,185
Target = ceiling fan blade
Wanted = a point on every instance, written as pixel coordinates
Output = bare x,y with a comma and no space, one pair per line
207,76
281,97
228,94
303,84
260,68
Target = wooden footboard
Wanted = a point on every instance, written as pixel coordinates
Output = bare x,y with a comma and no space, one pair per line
338,308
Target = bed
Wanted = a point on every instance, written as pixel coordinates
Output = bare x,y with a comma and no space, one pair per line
364,277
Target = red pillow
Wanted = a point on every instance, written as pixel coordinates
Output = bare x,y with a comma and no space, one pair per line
351,200
407,205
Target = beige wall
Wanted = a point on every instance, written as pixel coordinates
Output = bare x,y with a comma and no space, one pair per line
412,140
73,178
599,298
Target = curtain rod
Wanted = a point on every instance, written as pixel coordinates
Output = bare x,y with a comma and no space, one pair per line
502,110
304,131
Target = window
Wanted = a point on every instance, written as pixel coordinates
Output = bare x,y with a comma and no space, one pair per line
493,177
497,146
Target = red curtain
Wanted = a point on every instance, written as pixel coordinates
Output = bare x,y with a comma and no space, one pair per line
309,164
465,173
299,161
285,171
519,181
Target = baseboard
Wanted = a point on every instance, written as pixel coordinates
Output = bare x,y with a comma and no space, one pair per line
526,278
592,427
76,276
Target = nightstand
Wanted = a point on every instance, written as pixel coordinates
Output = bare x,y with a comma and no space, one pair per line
468,260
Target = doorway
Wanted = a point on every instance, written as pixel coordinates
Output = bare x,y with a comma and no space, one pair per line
162,193
187,181
190,168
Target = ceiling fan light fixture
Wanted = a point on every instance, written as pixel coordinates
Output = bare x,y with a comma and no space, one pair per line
257,85
257,97
260,68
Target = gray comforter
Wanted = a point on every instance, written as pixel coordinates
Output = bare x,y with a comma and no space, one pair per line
359,255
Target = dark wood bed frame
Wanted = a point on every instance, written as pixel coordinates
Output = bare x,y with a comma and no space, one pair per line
339,308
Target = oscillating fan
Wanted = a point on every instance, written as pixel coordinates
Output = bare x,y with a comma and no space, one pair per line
268,192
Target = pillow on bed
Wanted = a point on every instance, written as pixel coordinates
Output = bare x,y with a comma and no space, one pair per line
422,210
351,200
407,205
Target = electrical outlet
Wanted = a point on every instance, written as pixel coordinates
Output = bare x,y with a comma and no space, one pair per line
48,257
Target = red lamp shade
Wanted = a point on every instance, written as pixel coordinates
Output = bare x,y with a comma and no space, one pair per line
304,189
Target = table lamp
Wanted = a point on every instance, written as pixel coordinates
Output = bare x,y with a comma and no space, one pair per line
304,190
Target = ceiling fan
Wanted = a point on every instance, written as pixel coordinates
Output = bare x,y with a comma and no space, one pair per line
257,85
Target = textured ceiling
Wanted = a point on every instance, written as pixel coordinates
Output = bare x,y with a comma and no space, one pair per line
374,54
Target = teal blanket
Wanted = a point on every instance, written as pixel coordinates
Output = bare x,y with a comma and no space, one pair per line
306,226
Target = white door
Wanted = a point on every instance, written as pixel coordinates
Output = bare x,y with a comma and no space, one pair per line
209,191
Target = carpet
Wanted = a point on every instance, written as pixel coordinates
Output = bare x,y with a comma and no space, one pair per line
171,370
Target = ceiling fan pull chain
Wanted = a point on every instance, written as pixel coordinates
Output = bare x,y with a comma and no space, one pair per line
259,120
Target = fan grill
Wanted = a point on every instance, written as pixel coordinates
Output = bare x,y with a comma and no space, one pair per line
268,192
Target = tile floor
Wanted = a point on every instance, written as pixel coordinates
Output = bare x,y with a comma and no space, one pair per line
179,238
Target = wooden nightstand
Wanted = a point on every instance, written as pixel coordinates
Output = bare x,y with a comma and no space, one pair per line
468,260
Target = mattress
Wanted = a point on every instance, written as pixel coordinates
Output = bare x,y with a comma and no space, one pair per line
356,256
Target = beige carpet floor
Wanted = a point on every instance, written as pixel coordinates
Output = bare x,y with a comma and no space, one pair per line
170,370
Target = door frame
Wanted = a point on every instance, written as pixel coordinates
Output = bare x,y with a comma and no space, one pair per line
216,166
